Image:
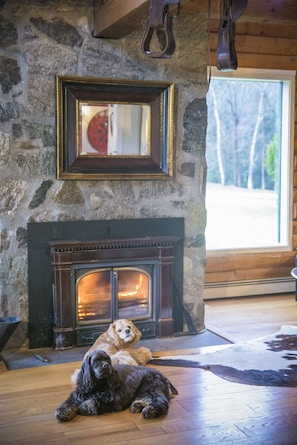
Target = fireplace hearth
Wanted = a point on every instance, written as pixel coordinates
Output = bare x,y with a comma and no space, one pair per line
140,262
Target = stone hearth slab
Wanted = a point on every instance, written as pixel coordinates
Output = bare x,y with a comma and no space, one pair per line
28,358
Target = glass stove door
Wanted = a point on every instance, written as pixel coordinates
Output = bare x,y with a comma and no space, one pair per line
106,294
134,293
94,296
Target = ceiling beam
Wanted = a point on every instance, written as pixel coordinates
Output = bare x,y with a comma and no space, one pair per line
117,18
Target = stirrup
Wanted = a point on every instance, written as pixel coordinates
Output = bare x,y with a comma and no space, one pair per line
159,19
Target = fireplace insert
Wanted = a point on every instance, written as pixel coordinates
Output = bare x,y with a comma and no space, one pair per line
97,282
144,278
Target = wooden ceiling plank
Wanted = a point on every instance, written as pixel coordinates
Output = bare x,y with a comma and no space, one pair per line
269,61
261,45
273,11
261,29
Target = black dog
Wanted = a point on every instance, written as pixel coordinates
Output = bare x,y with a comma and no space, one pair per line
101,388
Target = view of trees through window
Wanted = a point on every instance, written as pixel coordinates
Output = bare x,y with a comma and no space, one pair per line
247,153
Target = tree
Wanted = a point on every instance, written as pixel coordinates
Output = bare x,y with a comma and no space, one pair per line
270,159
234,137
259,119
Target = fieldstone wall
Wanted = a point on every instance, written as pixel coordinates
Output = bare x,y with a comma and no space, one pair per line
39,40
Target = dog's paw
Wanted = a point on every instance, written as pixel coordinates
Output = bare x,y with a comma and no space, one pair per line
137,406
153,410
149,412
64,414
142,355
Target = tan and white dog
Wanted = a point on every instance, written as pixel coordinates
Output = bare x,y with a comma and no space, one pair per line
119,341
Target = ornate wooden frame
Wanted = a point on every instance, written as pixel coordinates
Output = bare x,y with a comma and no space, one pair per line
159,96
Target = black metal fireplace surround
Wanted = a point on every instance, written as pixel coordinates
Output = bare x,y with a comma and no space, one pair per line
51,248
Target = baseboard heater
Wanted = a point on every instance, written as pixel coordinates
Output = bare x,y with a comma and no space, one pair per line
248,288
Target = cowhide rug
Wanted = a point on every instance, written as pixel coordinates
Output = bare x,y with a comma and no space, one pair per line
266,361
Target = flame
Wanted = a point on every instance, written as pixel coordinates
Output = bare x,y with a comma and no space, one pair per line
94,292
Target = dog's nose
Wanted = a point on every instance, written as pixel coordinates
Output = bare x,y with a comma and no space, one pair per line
104,365
127,331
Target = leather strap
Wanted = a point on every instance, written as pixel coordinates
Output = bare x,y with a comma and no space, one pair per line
238,8
226,53
226,58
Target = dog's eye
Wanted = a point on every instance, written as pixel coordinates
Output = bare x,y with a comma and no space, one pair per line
128,327
119,330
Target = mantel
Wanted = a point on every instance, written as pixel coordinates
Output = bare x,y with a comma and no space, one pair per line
117,18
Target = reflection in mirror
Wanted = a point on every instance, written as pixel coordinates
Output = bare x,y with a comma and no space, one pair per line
114,129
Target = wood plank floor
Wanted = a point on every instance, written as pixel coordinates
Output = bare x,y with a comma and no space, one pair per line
241,319
208,409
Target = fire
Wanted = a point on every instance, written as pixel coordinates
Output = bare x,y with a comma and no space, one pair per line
95,292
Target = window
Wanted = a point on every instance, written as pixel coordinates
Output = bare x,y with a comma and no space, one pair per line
249,146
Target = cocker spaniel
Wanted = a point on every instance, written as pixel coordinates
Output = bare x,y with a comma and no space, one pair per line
102,388
119,341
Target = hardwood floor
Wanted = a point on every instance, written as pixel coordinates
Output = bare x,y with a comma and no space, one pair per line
207,411
241,319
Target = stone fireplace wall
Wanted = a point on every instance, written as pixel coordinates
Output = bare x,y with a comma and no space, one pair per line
40,40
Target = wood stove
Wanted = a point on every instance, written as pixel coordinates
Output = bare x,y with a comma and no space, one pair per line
96,282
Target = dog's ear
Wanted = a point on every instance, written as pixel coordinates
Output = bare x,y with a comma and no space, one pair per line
85,381
137,334
113,335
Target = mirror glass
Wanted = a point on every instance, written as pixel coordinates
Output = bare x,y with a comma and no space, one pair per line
114,129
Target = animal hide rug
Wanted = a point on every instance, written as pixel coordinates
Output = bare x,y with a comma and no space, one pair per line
266,361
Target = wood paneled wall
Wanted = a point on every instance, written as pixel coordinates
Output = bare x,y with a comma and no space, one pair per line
270,46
